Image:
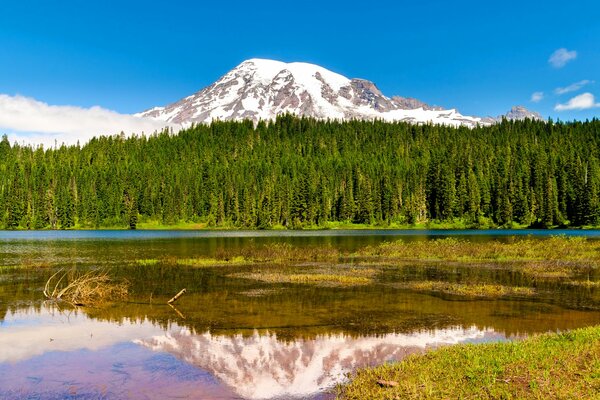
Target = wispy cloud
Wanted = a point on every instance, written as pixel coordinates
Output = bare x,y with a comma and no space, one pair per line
561,57
573,87
536,97
65,124
584,101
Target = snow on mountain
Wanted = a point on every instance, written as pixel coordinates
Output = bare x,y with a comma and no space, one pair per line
259,89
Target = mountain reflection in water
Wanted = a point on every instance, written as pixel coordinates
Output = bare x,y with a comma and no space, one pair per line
260,366
46,354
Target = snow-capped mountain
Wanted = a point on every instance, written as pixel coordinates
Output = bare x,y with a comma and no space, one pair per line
260,89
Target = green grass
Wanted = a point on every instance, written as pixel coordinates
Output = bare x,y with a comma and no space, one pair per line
147,262
557,366
341,277
212,262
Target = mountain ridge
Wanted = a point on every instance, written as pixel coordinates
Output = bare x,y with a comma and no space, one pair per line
260,89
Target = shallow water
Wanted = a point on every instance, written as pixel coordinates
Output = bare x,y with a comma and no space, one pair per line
238,338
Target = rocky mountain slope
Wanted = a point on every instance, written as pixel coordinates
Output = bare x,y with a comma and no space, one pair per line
259,89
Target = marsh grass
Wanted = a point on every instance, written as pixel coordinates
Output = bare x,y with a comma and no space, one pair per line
468,289
558,259
212,262
324,276
564,365
452,249
285,252
92,288
323,279
147,262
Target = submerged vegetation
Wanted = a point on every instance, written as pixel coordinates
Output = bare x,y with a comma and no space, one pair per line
468,290
301,173
559,365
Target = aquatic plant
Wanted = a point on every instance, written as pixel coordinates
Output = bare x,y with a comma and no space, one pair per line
467,289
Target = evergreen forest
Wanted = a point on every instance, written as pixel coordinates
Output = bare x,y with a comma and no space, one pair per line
301,173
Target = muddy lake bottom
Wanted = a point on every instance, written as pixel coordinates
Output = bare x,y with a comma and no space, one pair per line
256,328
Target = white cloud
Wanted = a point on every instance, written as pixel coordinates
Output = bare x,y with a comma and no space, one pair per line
31,121
561,57
573,87
536,97
584,101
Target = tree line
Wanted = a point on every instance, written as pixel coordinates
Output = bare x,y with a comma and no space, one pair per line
298,172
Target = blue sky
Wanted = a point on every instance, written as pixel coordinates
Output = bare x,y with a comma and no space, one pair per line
478,57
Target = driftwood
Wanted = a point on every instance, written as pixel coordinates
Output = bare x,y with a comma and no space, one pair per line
177,296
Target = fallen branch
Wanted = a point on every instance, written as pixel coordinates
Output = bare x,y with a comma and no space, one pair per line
177,296
90,288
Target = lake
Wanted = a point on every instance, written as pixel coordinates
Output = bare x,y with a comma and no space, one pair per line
238,332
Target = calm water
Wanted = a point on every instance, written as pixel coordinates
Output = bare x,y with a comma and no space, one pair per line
237,338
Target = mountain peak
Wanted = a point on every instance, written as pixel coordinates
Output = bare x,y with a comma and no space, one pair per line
261,89
519,113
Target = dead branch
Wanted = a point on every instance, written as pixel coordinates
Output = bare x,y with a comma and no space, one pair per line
177,296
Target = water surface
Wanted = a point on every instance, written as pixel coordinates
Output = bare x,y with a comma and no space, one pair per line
239,338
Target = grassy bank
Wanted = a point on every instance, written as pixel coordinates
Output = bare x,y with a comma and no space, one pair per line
565,365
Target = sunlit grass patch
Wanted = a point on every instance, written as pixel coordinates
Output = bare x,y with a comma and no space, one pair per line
212,262
324,276
467,289
327,279
564,365
525,249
